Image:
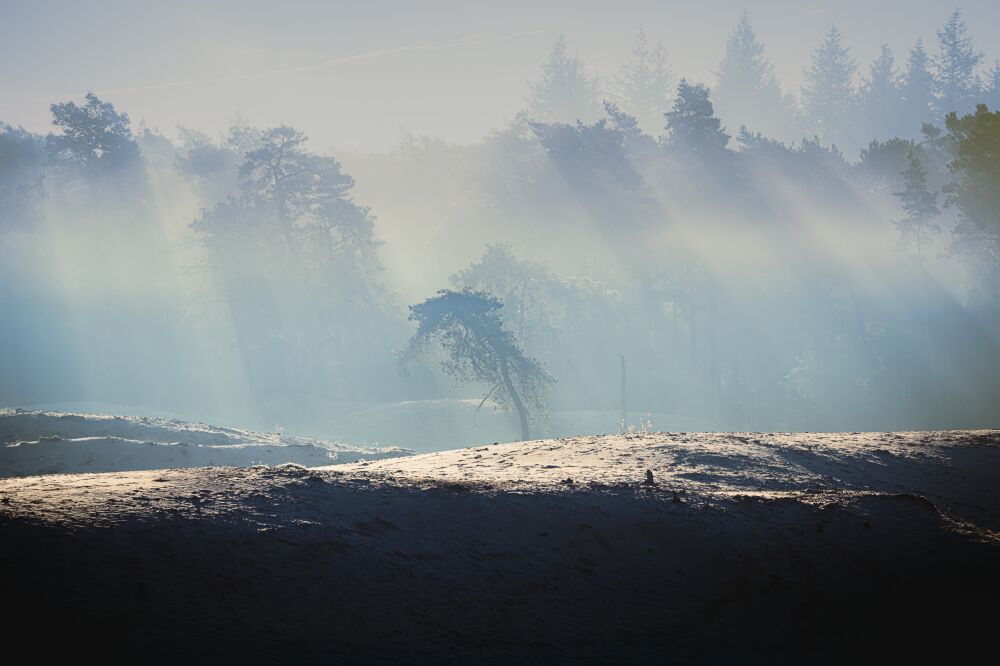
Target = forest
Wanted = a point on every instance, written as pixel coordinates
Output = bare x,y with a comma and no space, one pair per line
642,251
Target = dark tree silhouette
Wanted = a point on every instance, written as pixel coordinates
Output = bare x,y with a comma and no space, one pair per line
92,135
478,348
692,122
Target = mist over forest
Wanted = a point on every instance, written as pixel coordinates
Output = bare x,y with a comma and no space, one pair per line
642,250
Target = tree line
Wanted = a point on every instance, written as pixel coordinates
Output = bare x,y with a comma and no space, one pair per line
840,103
750,280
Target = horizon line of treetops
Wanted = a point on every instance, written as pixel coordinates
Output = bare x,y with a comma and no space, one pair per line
905,111
836,105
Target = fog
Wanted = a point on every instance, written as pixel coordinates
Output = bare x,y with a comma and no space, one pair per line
722,222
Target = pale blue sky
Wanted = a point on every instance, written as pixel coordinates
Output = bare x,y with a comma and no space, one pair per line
353,74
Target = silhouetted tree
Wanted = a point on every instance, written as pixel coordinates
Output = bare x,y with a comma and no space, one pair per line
593,160
644,85
917,91
93,135
478,348
279,176
302,196
639,145
565,92
747,92
881,97
587,150
955,80
692,122
828,98
295,256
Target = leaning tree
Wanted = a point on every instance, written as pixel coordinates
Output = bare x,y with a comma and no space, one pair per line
468,326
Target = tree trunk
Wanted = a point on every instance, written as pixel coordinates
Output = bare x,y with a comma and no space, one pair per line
522,413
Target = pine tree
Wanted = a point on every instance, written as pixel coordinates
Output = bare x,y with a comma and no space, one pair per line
919,203
747,92
692,122
917,91
828,97
956,83
881,96
479,348
644,84
93,135
565,92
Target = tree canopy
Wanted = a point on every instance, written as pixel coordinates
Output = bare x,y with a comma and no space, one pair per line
692,122
92,135
478,348
975,193
956,84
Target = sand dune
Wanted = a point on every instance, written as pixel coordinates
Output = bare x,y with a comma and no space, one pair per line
750,547
44,442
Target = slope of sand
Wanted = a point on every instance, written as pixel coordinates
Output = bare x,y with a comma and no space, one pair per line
750,547
42,442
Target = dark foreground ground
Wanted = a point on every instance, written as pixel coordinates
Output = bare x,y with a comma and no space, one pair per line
746,549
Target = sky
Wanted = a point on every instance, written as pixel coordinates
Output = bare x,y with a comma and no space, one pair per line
356,75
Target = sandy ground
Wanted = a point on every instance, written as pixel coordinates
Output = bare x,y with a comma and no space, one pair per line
758,548
36,442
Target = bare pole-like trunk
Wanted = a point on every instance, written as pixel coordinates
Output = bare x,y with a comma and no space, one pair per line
522,413
624,391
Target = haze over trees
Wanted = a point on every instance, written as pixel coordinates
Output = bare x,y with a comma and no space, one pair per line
917,89
747,90
644,84
919,203
828,98
564,92
974,193
293,257
761,258
956,83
